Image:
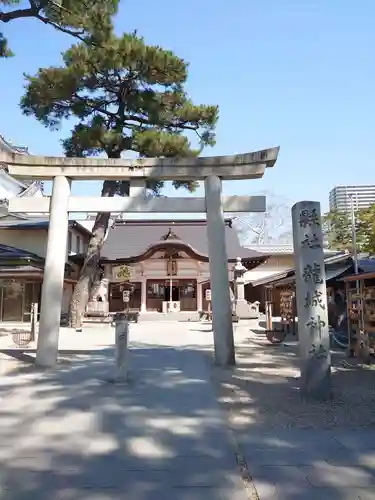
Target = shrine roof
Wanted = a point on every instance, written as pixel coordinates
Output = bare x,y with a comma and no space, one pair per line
13,254
36,223
335,266
13,258
130,239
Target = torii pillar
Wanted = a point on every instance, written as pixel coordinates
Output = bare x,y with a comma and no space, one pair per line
221,305
53,276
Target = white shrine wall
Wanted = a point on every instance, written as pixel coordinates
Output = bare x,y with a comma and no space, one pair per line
275,264
35,240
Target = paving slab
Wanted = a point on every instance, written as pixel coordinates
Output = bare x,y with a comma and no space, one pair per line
294,448
69,434
289,491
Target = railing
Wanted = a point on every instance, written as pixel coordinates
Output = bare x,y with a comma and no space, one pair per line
96,308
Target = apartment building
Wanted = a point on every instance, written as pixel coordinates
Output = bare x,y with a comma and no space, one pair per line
342,197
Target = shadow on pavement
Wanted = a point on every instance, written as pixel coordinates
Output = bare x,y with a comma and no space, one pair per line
296,449
68,434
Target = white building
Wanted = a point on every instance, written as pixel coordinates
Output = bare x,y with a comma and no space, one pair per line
343,197
11,187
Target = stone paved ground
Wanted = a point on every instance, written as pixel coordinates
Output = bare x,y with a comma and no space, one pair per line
294,449
68,434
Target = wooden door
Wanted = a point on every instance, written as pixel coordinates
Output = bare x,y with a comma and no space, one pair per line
116,303
155,295
12,299
188,295
136,296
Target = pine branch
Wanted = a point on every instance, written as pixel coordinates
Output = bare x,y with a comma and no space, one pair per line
77,34
70,22
32,11
6,17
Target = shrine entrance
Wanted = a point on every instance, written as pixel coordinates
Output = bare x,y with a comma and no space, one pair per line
181,291
62,170
172,293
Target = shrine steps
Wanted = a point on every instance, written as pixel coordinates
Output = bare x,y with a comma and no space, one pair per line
181,316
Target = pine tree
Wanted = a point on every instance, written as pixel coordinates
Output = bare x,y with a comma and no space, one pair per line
126,96
88,20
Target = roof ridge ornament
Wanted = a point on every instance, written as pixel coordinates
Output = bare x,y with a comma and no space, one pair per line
170,236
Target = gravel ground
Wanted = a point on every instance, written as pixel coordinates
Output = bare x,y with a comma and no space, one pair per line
262,392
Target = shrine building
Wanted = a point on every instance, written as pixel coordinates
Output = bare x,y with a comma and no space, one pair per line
164,263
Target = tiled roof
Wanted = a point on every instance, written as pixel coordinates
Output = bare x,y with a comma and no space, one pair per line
31,186
6,270
132,238
8,253
4,144
38,223
330,263
275,249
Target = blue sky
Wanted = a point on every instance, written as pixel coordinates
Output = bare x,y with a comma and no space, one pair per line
294,73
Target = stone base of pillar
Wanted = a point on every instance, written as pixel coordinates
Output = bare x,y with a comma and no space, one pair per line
315,381
246,310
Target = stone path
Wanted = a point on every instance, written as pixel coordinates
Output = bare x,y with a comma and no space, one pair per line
311,464
295,449
67,435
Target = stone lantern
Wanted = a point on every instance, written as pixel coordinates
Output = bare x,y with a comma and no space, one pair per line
243,309
239,281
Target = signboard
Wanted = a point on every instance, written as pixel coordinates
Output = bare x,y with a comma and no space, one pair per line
126,296
286,304
121,273
208,295
172,267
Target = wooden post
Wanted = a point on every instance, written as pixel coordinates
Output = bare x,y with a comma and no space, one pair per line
268,294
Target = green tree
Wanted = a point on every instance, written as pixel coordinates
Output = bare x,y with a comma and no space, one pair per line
337,230
88,20
366,229
126,96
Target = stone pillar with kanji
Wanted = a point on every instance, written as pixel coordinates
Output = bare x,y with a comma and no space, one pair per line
311,295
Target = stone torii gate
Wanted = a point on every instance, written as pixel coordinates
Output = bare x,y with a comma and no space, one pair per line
211,170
